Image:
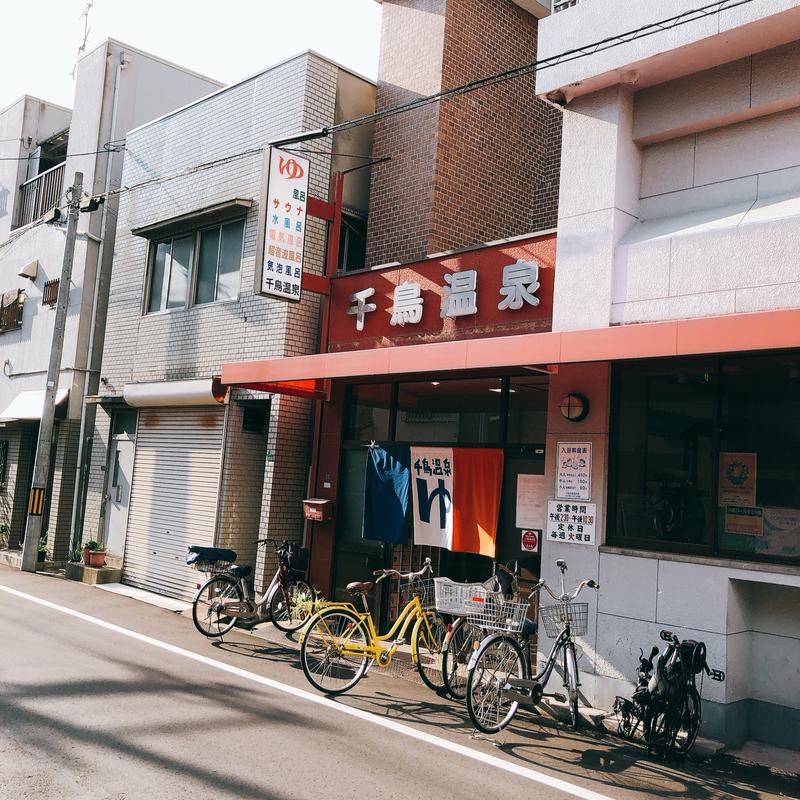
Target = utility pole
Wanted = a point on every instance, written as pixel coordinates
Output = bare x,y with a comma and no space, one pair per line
41,470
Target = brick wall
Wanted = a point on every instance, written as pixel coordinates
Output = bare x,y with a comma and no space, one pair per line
242,485
479,167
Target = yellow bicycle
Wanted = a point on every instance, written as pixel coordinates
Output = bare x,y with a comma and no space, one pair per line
339,643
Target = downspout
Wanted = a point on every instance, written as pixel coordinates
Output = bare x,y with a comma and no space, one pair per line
94,371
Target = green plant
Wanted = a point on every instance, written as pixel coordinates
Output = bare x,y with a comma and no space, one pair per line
93,545
4,527
43,544
76,555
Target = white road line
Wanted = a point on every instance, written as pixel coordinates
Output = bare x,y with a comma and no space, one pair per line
467,752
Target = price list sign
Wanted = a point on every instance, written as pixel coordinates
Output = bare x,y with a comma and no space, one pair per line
285,230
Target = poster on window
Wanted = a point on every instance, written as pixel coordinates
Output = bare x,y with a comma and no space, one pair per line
530,504
574,470
737,479
744,520
285,229
571,523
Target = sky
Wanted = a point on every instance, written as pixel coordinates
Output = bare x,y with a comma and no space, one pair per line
226,40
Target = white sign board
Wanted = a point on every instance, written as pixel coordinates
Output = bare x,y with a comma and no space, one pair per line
285,229
574,470
571,523
530,501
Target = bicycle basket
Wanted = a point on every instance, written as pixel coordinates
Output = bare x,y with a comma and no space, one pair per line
555,617
497,613
422,588
453,598
297,558
210,559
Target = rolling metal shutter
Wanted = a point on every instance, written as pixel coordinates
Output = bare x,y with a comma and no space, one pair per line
174,494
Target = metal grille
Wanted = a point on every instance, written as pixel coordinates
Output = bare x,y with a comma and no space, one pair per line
50,293
419,588
497,613
554,618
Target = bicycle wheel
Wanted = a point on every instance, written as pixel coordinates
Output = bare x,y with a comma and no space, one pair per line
659,734
207,606
690,716
326,667
497,660
426,642
291,610
455,659
571,682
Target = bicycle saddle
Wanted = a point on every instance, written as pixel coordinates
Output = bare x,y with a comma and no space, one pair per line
357,587
209,554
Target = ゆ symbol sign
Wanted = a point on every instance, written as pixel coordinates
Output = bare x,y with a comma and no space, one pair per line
289,168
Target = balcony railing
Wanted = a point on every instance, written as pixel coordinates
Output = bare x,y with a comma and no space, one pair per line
38,195
563,5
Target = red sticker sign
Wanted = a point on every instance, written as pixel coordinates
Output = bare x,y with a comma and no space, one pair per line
530,540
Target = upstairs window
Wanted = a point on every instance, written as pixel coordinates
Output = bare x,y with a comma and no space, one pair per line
196,268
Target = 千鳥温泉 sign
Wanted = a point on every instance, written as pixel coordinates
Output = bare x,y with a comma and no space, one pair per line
285,225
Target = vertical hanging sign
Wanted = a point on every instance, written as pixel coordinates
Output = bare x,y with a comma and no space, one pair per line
285,229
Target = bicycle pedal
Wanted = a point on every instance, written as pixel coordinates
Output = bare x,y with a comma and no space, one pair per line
561,698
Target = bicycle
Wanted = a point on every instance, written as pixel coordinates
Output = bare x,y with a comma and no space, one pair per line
225,598
666,701
340,642
463,635
500,677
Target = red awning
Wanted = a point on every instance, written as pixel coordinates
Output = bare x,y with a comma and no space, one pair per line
767,330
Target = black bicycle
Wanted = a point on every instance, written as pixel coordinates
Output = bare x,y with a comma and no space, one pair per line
666,704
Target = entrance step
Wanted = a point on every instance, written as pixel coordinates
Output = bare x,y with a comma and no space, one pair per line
92,575
13,558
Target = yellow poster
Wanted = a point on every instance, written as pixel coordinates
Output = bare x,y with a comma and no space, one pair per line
737,479
744,520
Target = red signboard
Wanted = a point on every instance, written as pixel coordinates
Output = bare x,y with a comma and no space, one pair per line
497,290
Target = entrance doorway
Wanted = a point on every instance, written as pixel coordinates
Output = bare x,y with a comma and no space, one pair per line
120,472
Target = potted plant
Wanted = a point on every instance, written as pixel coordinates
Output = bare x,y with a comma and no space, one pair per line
94,554
76,555
42,554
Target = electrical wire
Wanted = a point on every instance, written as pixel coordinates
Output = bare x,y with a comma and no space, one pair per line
108,148
717,7
692,15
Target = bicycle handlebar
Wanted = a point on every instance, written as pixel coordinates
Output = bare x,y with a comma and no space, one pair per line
542,584
380,574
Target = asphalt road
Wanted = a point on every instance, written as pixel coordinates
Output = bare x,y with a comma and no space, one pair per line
149,709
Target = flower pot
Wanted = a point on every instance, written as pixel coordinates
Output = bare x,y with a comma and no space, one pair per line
86,552
97,558
41,556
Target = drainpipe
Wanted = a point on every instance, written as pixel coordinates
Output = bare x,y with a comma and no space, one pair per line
93,374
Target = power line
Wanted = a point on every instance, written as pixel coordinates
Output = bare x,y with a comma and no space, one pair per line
546,63
574,54
110,147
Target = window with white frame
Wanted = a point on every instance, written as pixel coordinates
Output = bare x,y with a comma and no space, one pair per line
196,268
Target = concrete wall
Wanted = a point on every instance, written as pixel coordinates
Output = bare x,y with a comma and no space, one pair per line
747,614
670,196
704,41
